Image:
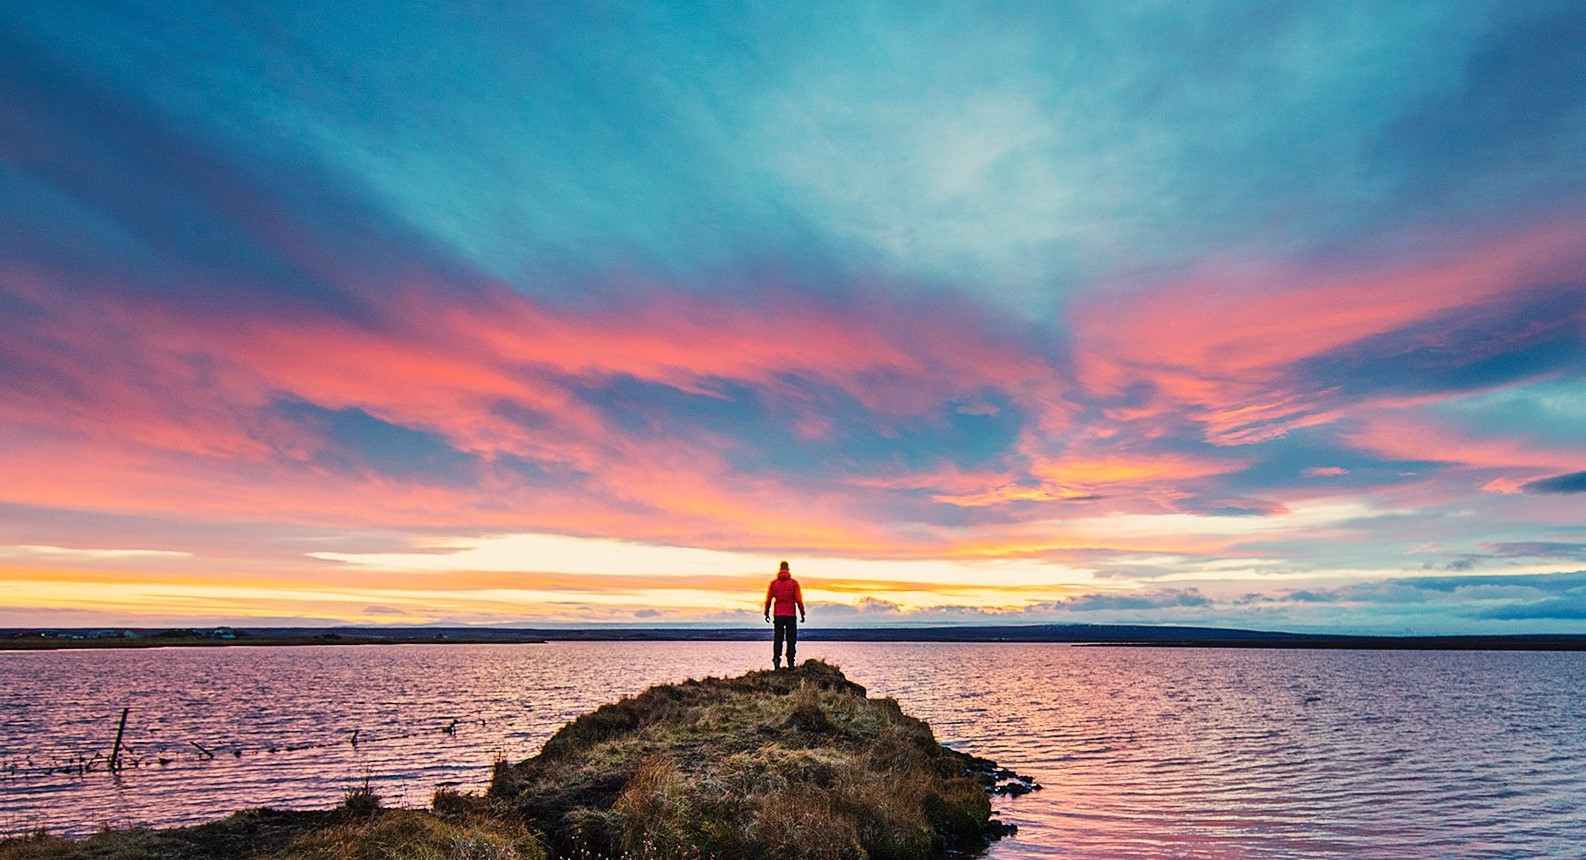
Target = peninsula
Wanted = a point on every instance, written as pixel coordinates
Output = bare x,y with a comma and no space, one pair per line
797,763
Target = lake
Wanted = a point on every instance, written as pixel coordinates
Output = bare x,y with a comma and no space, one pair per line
1144,753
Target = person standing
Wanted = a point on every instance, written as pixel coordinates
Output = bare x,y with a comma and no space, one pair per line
785,593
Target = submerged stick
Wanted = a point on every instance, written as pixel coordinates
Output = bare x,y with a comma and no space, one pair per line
115,752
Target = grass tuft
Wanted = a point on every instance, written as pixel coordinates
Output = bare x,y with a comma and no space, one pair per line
361,801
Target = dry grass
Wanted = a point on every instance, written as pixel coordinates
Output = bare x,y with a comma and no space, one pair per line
249,834
466,829
416,835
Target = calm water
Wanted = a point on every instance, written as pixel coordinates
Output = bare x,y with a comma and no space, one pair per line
1144,753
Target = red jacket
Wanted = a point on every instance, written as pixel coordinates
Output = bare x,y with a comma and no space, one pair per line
785,591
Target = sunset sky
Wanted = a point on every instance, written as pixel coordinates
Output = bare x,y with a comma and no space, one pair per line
1244,314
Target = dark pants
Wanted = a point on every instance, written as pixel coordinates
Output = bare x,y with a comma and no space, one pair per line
788,626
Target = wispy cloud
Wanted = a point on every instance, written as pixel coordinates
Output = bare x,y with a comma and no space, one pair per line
62,552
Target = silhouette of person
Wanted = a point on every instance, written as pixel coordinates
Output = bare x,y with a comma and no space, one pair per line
784,591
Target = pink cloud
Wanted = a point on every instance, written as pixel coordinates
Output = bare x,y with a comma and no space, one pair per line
134,405
1416,436
1237,325
1217,348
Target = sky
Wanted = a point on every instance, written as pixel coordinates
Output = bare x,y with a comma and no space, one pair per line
1228,313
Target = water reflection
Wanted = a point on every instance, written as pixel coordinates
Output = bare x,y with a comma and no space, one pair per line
1145,753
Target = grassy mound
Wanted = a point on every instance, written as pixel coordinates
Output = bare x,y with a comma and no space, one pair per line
768,765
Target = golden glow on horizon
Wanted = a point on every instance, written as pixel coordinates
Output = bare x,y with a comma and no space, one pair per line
419,605
595,557
31,598
61,552
546,577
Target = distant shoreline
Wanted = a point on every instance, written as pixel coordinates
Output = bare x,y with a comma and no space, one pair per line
1101,635
254,640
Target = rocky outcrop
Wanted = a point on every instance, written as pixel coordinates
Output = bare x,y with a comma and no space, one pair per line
775,764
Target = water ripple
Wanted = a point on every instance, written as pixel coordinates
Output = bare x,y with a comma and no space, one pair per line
1144,753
